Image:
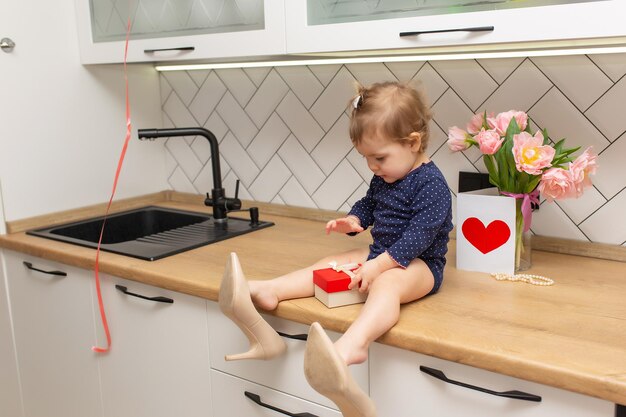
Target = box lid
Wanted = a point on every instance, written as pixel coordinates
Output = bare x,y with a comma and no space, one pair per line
331,280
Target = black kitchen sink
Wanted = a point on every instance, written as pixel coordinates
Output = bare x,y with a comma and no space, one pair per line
150,233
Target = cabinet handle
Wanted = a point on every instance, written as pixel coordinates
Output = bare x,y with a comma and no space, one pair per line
7,45
516,395
257,399
31,267
157,299
293,336
472,29
182,48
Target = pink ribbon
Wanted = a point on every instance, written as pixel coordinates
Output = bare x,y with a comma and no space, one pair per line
96,269
532,197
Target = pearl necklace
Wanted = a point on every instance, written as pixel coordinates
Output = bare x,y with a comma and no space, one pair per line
527,278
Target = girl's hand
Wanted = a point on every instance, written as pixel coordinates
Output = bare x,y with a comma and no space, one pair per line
371,270
366,274
344,225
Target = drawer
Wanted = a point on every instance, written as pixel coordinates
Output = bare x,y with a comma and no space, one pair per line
284,373
231,398
400,389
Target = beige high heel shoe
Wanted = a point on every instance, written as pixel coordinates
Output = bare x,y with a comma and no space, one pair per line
236,304
328,374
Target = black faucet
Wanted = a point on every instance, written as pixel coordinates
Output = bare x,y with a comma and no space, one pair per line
220,203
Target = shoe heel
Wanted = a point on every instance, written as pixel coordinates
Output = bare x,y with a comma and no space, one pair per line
255,352
265,343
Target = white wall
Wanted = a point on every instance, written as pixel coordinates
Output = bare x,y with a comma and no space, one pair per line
284,130
62,124
3,229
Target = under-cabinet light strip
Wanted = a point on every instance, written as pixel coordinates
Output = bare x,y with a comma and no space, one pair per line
403,58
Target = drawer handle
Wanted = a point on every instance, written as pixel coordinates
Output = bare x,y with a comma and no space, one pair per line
182,48
157,299
257,399
472,29
32,268
516,395
293,336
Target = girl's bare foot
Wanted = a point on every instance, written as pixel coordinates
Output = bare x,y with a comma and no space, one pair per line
262,295
350,352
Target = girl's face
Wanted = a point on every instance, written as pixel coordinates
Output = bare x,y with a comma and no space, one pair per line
389,159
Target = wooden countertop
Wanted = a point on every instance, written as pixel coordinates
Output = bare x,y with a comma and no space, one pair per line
571,335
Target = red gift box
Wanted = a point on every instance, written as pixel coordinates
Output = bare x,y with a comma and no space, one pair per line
331,286
331,280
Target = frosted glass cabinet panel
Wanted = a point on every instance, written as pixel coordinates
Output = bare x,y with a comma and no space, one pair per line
179,30
319,26
338,11
159,18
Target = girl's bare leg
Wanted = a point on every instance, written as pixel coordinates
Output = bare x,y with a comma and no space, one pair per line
325,363
382,308
238,300
297,284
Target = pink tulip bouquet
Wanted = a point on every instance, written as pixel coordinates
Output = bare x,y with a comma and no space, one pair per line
521,164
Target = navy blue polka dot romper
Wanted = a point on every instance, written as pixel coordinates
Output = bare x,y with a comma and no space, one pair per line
412,218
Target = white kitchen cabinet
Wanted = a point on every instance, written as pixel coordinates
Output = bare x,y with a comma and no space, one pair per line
158,365
54,331
236,397
361,30
284,373
10,396
170,30
400,389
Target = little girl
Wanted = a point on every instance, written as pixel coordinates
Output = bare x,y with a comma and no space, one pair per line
408,206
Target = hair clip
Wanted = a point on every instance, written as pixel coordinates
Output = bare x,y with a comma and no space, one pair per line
358,100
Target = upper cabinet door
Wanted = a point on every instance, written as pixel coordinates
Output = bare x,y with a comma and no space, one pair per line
315,26
174,30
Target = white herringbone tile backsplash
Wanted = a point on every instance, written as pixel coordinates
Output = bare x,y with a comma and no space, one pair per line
283,131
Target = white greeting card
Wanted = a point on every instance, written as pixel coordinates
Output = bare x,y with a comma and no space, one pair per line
485,232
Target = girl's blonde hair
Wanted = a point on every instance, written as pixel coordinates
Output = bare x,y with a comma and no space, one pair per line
392,110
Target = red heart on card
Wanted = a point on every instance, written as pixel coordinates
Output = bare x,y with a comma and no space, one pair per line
485,239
